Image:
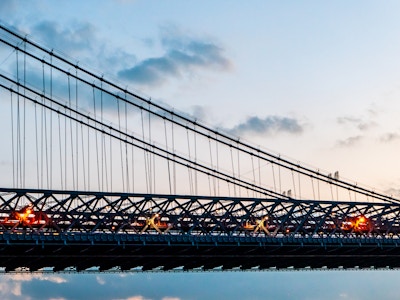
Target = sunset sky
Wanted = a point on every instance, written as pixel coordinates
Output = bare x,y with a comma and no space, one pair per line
316,81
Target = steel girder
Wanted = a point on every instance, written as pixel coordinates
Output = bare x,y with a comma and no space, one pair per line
124,252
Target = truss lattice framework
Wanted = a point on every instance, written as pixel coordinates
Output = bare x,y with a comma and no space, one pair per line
23,210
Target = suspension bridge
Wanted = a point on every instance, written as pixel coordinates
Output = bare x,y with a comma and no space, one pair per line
94,175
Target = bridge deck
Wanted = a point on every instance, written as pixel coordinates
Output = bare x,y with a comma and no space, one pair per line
148,251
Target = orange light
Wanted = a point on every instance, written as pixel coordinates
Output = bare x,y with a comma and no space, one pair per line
362,219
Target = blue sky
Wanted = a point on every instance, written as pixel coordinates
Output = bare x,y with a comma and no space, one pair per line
317,81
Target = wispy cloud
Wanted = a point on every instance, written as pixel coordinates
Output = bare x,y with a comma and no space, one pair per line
357,122
40,277
11,285
71,39
200,112
79,40
389,137
394,192
183,54
134,298
351,141
100,280
268,125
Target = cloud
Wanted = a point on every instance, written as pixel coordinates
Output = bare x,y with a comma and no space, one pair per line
199,112
100,280
11,285
79,40
357,122
394,192
183,54
8,289
268,125
41,277
390,137
351,141
134,298
74,39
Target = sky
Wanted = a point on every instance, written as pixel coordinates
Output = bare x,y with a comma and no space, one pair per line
316,81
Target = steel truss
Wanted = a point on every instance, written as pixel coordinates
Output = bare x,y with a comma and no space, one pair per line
79,230
122,213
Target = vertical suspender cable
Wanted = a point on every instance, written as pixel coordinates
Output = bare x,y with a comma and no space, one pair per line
133,167
88,156
166,147
65,144
189,169
212,166
60,145
12,140
216,149
97,142
233,171
24,128
83,159
173,151
150,155
294,185
51,123
126,148
76,127
120,148
298,176
71,131
319,195
18,129
195,160
103,142
312,185
280,181
44,131
273,176
254,173
259,170
145,155
238,173
111,164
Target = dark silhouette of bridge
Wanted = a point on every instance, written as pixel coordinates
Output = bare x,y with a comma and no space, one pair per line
97,176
